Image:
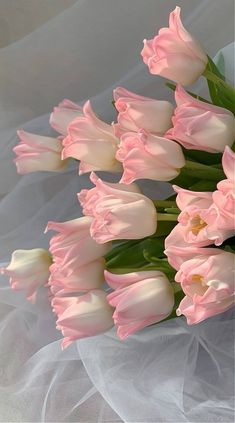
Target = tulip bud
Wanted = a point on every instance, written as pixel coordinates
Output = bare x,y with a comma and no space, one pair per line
199,125
63,115
148,156
80,317
137,112
224,196
91,141
38,153
174,53
28,270
73,246
208,283
140,299
117,210
83,278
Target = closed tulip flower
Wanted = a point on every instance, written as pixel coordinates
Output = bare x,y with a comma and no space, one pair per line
208,283
38,153
149,156
224,196
136,112
82,316
117,210
63,115
201,126
178,250
174,54
197,223
140,299
28,270
73,246
83,278
91,141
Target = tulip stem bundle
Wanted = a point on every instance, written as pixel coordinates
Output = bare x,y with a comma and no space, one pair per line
165,203
167,217
160,258
214,78
203,171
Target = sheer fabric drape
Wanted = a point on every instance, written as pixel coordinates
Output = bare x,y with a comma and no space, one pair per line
166,373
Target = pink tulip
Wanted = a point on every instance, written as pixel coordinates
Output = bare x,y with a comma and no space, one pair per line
74,247
148,156
38,153
83,278
174,53
224,196
208,283
201,126
178,250
197,222
140,299
28,270
137,112
118,211
91,141
63,115
83,316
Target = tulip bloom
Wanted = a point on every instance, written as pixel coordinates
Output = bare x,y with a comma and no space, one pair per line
83,316
83,278
224,196
208,283
63,115
74,247
28,270
197,221
117,211
137,112
148,156
140,299
199,125
36,153
178,250
91,141
174,53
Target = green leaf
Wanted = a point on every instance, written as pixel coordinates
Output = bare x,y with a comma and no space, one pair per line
137,255
203,156
184,180
123,245
153,249
229,242
204,185
221,64
222,94
164,228
132,256
214,69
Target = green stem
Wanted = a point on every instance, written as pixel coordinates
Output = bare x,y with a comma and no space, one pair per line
172,210
167,216
214,78
164,203
200,170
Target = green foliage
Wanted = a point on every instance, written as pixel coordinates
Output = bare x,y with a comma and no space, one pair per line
145,254
221,93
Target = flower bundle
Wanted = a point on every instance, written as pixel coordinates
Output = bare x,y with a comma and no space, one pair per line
132,261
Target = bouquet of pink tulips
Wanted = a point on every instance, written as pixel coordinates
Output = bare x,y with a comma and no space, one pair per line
131,261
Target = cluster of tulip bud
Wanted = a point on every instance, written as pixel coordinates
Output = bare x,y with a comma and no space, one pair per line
131,261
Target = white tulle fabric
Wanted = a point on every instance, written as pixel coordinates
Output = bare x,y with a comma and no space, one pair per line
165,373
